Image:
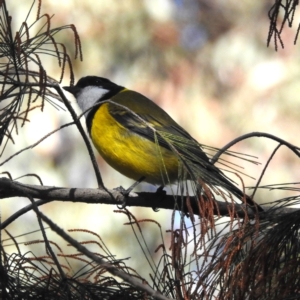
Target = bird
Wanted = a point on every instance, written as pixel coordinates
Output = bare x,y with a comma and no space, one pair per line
140,140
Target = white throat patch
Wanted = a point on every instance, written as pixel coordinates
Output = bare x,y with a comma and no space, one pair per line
88,96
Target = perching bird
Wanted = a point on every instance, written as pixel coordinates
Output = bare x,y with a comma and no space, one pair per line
139,139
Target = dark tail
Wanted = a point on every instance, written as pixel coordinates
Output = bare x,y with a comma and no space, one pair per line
241,195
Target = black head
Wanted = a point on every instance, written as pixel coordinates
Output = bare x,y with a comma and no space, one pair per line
93,81
92,89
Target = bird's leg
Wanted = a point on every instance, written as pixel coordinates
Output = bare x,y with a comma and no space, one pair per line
160,193
126,192
160,190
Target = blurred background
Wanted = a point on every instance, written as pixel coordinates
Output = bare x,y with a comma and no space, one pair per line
206,62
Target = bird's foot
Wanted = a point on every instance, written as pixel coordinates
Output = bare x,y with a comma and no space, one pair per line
161,193
126,192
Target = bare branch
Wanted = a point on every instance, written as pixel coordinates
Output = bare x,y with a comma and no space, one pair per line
110,268
188,205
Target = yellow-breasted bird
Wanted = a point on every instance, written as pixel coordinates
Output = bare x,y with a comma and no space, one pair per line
139,139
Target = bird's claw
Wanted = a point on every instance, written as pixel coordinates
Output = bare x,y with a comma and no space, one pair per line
126,192
160,193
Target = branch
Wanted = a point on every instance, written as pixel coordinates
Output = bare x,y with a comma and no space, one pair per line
188,205
109,267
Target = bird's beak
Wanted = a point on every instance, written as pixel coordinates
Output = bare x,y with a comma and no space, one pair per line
71,89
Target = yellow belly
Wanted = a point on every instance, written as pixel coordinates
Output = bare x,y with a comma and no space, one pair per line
131,154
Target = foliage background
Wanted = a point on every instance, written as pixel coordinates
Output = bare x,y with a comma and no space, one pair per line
205,62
